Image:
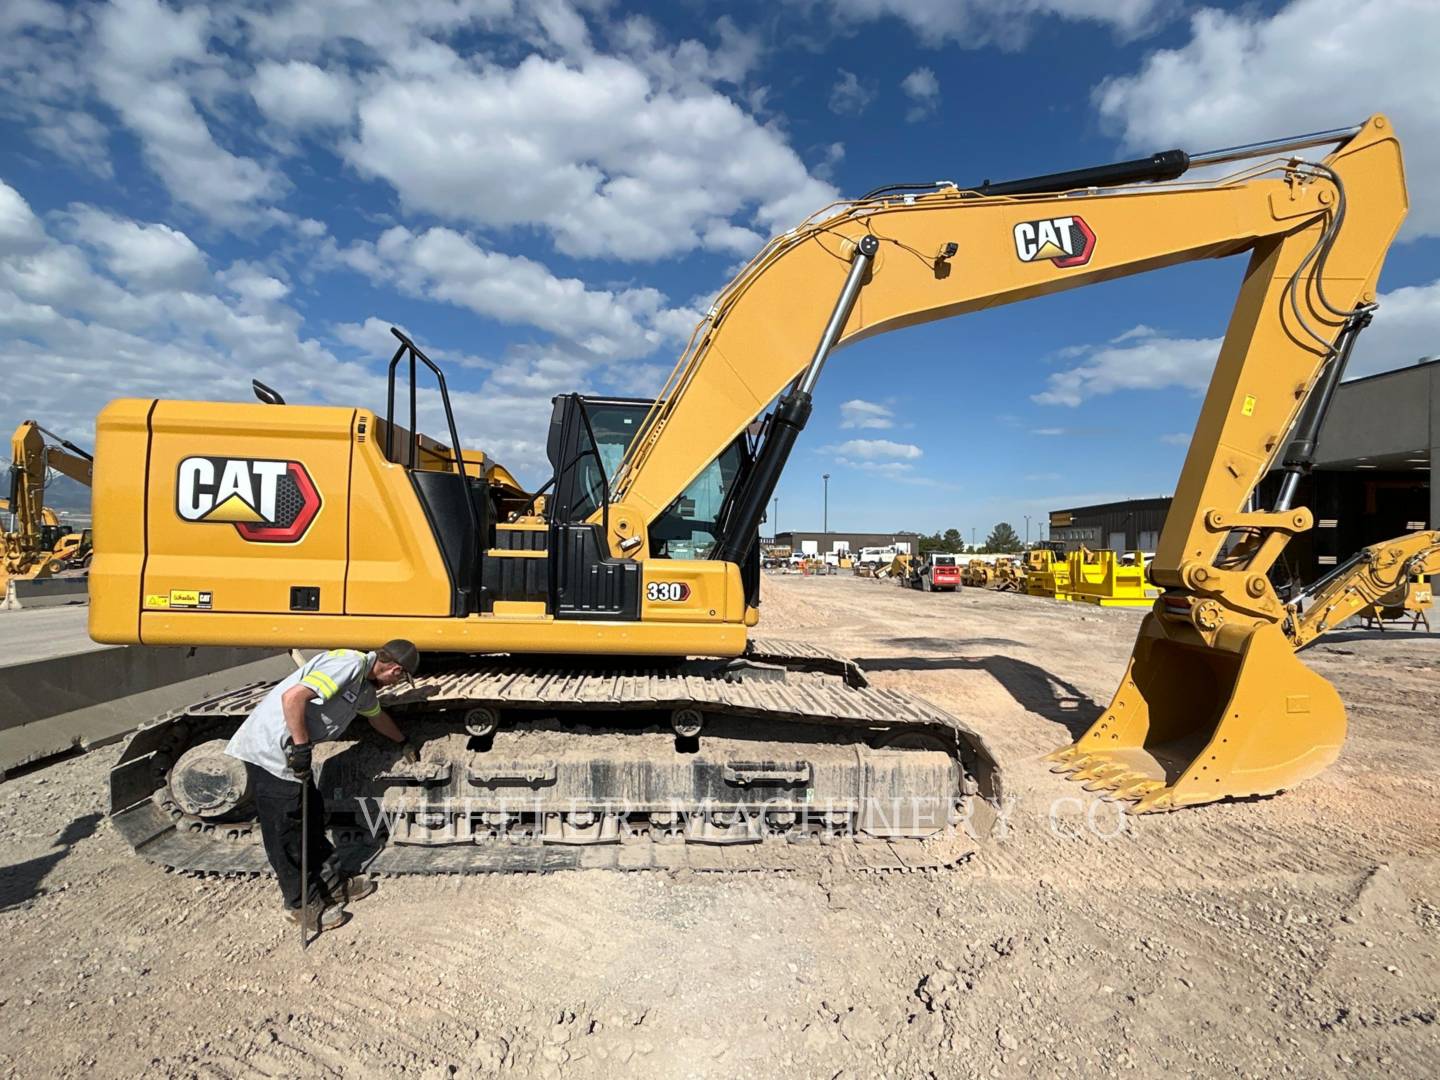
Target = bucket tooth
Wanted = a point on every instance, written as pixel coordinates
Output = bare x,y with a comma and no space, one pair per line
1062,755
1110,779
1075,759
1097,769
1157,801
1137,787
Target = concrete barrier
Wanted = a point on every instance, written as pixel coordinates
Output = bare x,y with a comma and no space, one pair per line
84,699
21,593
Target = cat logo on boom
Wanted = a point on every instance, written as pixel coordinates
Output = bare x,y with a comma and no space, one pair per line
1065,241
268,502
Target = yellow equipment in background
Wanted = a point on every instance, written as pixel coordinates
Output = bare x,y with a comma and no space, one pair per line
976,574
1101,578
1382,581
307,526
38,545
1047,574
898,567
1419,599
1008,575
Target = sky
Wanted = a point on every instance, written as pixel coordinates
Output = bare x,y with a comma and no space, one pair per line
548,194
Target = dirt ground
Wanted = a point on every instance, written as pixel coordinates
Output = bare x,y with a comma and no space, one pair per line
1297,935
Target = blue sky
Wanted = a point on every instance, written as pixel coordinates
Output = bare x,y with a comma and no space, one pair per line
547,195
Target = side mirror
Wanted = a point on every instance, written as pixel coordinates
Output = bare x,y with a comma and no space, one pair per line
266,395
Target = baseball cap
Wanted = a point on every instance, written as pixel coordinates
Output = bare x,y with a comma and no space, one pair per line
403,653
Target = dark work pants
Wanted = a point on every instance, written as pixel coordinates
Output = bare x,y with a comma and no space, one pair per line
277,806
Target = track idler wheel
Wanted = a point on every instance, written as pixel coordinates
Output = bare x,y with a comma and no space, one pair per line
208,783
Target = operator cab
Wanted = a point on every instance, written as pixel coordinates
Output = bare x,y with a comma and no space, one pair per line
504,559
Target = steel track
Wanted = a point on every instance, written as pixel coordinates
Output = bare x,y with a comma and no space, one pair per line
777,683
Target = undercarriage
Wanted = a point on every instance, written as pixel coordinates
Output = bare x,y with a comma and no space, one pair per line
784,758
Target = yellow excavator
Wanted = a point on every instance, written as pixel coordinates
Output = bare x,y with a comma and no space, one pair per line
1388,576
592,695
37,545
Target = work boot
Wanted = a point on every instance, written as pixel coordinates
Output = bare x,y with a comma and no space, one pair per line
358,886
322,917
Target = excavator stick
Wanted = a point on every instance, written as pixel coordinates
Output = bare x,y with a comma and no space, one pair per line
1192,723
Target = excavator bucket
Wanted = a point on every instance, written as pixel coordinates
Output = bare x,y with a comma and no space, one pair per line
1193,723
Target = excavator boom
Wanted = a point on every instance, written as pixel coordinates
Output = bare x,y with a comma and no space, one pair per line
1376,577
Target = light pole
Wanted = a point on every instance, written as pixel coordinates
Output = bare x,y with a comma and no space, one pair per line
826,528
1027,530
775,528
972,538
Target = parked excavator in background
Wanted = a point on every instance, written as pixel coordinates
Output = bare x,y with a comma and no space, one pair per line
627,702
1379,583
37,544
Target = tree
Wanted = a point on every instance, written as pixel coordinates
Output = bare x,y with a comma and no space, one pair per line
928,542
953,540
1003,539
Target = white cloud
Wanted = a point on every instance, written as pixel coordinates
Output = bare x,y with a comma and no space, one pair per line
19,15
849,96
1139,359
1245,76
372,335
20,229
689,64
831,156
76,338
179,147
296,27
145,256
141,48
875,450
595,154
923,89
632,154
443,264
1176,438
894,469
253,286
858,413
1406,328
300,95
973,24
1050,432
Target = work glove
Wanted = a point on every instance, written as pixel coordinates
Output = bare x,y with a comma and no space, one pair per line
409,752
297,759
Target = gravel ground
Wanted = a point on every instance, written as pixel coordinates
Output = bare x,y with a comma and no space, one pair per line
1295,935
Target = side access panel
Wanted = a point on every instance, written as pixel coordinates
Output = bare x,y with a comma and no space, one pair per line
245,509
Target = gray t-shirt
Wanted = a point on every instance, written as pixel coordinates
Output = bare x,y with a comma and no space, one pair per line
341,688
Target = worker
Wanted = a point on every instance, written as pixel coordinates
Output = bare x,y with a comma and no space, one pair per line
314,704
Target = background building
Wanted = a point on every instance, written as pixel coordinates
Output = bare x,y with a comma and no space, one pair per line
1372,475
825,543
1119,526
